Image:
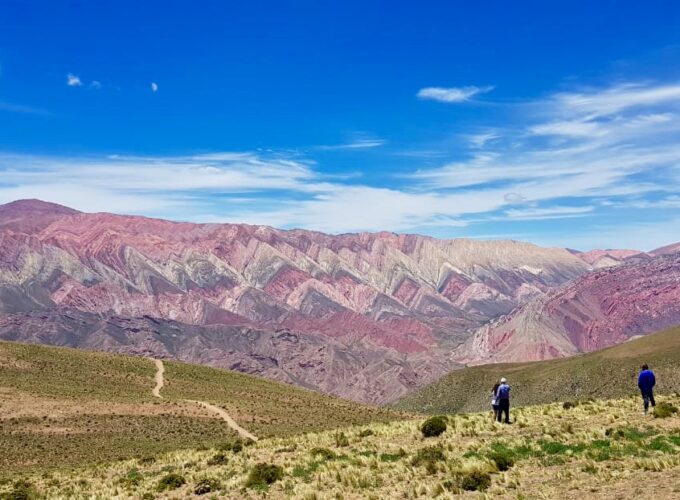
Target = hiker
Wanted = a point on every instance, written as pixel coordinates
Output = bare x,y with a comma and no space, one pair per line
503,395
494,400
646,383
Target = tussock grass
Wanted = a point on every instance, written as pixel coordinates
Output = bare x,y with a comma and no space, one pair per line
594,448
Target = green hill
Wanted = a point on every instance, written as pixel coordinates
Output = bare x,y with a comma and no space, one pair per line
610,373
63,407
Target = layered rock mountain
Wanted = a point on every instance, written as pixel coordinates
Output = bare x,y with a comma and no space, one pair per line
600,309
368,316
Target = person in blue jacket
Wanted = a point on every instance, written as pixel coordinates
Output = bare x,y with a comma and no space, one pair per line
503,397
646,383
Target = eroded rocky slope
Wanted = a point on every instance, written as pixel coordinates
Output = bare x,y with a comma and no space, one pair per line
600,309
370,316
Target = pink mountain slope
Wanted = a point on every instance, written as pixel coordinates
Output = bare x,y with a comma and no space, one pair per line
598,310
366,316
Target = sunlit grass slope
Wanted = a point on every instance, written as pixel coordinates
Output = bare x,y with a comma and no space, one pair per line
64,407
610,373
597,449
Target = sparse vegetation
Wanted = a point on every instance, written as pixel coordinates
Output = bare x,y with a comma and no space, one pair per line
80,407
557,453
552,452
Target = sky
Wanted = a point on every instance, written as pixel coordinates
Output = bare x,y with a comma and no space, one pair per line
551,122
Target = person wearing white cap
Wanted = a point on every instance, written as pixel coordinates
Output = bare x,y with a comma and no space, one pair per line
503,395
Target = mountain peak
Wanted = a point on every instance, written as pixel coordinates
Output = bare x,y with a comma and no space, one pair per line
32,215
36,205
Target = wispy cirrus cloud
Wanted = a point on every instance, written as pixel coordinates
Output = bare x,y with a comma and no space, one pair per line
355,144
452,94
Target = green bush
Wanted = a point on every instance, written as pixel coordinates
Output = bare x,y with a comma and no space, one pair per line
218,459
503,459
324,453
264,474
433,426
207,485
664,410
429,454
236,445
171,481
474,480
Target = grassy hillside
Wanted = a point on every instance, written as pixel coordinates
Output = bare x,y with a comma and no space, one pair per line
599,449
610,373
65,407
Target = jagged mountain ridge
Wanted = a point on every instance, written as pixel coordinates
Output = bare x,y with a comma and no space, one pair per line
391,304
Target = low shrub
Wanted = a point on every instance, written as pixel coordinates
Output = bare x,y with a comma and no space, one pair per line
171,481
234,446
568,405
502,458
207,485
428,455
323,453
366,433
433,426
474,480
263,474
664,410
218,459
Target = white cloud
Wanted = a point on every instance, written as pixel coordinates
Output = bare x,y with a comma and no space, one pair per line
95,84
73,80
154,87
452,94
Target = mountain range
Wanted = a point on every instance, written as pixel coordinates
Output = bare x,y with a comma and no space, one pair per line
368,316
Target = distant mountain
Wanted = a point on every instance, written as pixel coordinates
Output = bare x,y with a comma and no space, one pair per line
610,257
365,316
600,309
609,373
667,250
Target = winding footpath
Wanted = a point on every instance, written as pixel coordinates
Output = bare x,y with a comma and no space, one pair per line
160,382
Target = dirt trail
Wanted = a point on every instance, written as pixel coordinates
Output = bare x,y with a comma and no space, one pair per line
230,421
160,381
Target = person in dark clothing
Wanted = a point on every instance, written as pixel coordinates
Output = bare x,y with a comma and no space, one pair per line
503,395
646,383
494,400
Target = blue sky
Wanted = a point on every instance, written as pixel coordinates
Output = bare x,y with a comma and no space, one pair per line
552,122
